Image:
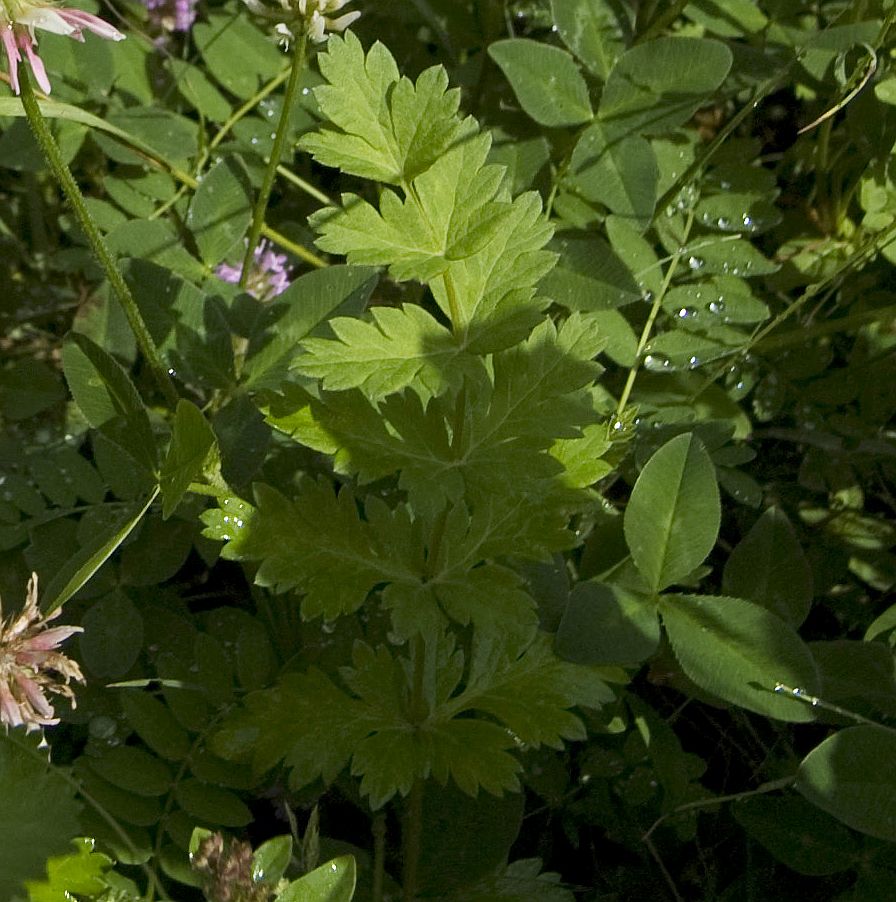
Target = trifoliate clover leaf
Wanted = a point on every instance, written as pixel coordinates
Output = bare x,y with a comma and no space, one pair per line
382,126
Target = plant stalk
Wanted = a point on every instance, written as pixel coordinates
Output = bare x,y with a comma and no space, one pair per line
651,319
63,175
299,57
413,828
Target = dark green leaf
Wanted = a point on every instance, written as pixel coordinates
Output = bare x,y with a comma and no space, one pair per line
221,209
39,816
595,31
192,439
673,515
546,81
850,775
134,770
740,652
658,85
212,804
112,637
768,566
605,624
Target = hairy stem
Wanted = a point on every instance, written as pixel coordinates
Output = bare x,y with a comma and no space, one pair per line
267,185
98,245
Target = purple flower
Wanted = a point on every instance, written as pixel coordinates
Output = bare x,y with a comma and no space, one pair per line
31,665
19,18
268,278
172,15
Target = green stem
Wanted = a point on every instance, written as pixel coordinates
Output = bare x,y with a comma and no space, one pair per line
651,319
270,174
379,858
413,828
765,788
65,178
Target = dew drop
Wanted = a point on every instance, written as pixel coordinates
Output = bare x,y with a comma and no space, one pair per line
657,363
696,262
693,362
687,313
717,306
329,626
747,221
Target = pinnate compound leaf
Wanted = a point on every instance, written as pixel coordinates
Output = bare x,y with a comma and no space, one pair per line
396,348
593,29
317,728
740,652
454,225
305,720
475,754
38,816
850,775
382,126
673,516
546,81
769,567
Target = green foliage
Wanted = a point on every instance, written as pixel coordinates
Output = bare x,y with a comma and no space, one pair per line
30,789
573,478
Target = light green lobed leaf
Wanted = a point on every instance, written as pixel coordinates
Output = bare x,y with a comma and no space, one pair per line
382,126
455,225
397,348
535,394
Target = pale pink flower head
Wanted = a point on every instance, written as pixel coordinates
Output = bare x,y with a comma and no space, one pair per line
269,275
19,19
31,665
